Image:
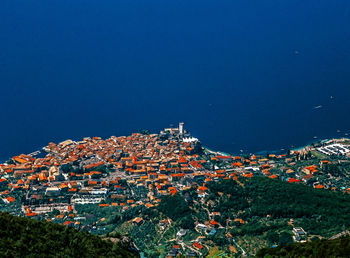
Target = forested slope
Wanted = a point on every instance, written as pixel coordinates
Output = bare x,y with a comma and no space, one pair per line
323,248
21,237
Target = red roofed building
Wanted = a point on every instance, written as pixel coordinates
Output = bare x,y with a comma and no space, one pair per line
95,165
310,169
198,246
202,188
10,199
224,158
68,223
214,223
293,180
319,186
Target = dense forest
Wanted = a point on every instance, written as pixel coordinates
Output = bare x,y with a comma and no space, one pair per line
176,208
318,211
322,248
21,237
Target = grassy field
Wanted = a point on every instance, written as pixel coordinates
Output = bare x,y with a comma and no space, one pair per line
216,252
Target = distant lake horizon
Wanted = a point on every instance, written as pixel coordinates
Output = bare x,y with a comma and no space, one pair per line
243,75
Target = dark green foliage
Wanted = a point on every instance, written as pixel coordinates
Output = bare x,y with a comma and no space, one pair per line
145,131
21,237
323,248
272,237
55,212
67,168
333,169
198,149
187,222
320,212
234,198
285,238
314,238
10,162
174,207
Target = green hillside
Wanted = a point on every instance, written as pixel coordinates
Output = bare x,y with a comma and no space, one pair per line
318,211
262,212
21,237
324,248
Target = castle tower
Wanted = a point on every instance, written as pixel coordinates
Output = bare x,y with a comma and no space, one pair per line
181,128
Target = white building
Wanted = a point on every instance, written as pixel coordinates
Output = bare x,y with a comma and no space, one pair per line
181,128
190,139
335,149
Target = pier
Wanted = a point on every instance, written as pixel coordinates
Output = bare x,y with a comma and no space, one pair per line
34,153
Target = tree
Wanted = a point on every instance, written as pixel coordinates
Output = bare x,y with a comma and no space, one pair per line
175,207
145,131
187,222
285,238
272,237
55,212
22,237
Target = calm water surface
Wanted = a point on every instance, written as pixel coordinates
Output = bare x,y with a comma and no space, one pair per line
242,75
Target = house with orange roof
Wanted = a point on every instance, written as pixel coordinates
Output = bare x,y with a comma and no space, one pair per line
239,220
68,223
227,158
214,223
137,221
3,182
92,183
42,177
266,172
319,186
176,177
265,166
149,205
63,186
95,165
6,192
237,164
289,171
310,169
20,160
172,190
293,180
202,188
197,246
10,199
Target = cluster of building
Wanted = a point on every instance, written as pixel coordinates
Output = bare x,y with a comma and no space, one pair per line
137,170
336,149
139,166
129,170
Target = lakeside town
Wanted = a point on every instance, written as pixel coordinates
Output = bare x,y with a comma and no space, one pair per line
118,186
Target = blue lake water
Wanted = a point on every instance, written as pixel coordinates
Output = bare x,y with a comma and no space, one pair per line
242,75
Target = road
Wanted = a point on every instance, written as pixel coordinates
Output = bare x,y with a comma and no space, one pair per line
244,253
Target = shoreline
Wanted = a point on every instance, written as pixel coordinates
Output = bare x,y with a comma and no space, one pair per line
262,152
